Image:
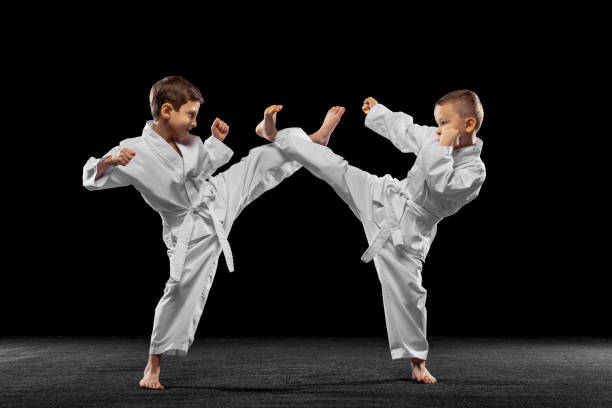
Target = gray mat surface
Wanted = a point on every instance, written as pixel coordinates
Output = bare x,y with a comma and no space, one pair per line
309,372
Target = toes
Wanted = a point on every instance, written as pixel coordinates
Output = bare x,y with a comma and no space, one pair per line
273,109
152,386
337,110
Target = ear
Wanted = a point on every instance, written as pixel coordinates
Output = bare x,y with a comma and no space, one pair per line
166,110
470,124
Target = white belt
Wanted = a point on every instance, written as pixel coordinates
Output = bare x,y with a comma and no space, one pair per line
390,225
184,236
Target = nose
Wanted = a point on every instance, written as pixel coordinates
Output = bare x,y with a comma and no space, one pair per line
439,131
194,123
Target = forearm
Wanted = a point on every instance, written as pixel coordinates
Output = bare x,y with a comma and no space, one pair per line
399,128
213,153
444,179
103,165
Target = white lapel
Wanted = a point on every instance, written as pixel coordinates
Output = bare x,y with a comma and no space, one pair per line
162,149
190,150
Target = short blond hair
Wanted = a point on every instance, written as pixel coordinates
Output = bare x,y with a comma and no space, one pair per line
466,103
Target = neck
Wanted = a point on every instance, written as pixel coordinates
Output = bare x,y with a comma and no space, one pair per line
466,141
164,131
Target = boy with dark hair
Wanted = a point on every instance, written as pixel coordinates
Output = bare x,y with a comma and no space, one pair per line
172,169
400,217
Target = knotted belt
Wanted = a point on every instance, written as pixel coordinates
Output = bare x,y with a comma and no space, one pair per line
186,229
390,225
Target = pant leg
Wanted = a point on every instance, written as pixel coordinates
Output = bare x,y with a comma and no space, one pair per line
261,170
179,310
399,273
404,298
354,186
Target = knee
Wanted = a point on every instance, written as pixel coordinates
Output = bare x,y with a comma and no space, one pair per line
417,289
173,289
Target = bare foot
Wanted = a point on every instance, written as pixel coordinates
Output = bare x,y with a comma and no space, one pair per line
151,373
267,127
420,373
329,124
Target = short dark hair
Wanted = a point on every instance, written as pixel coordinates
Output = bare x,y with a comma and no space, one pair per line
175,90
466,103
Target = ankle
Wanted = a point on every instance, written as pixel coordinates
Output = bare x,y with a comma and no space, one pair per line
154,361
417,362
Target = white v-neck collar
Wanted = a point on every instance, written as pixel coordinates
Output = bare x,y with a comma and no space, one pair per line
168,155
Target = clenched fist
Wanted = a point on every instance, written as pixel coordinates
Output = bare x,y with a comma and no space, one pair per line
219,129
449,137
368,104
123,157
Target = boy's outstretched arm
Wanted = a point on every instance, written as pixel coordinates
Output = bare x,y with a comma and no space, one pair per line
398,127
462,183
213,152
99,174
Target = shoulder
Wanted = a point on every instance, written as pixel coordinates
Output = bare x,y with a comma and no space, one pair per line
191,141
131,142
478,169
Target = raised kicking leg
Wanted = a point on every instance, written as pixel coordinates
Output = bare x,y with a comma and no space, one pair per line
267,127
404,295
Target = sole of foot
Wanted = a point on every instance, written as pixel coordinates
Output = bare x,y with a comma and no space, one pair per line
267,127
332,118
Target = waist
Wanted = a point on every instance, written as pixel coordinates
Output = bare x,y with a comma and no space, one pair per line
175,219
425,216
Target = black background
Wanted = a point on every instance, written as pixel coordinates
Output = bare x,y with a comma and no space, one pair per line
520,259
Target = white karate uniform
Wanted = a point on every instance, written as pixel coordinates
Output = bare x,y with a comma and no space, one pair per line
197,213
399,217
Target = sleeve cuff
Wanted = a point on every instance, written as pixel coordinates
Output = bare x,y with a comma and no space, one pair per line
218,149
375,111
435,152
90,171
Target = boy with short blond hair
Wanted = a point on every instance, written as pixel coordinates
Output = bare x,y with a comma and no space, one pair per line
172,169
400,217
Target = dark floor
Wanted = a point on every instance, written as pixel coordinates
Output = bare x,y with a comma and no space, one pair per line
309,372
